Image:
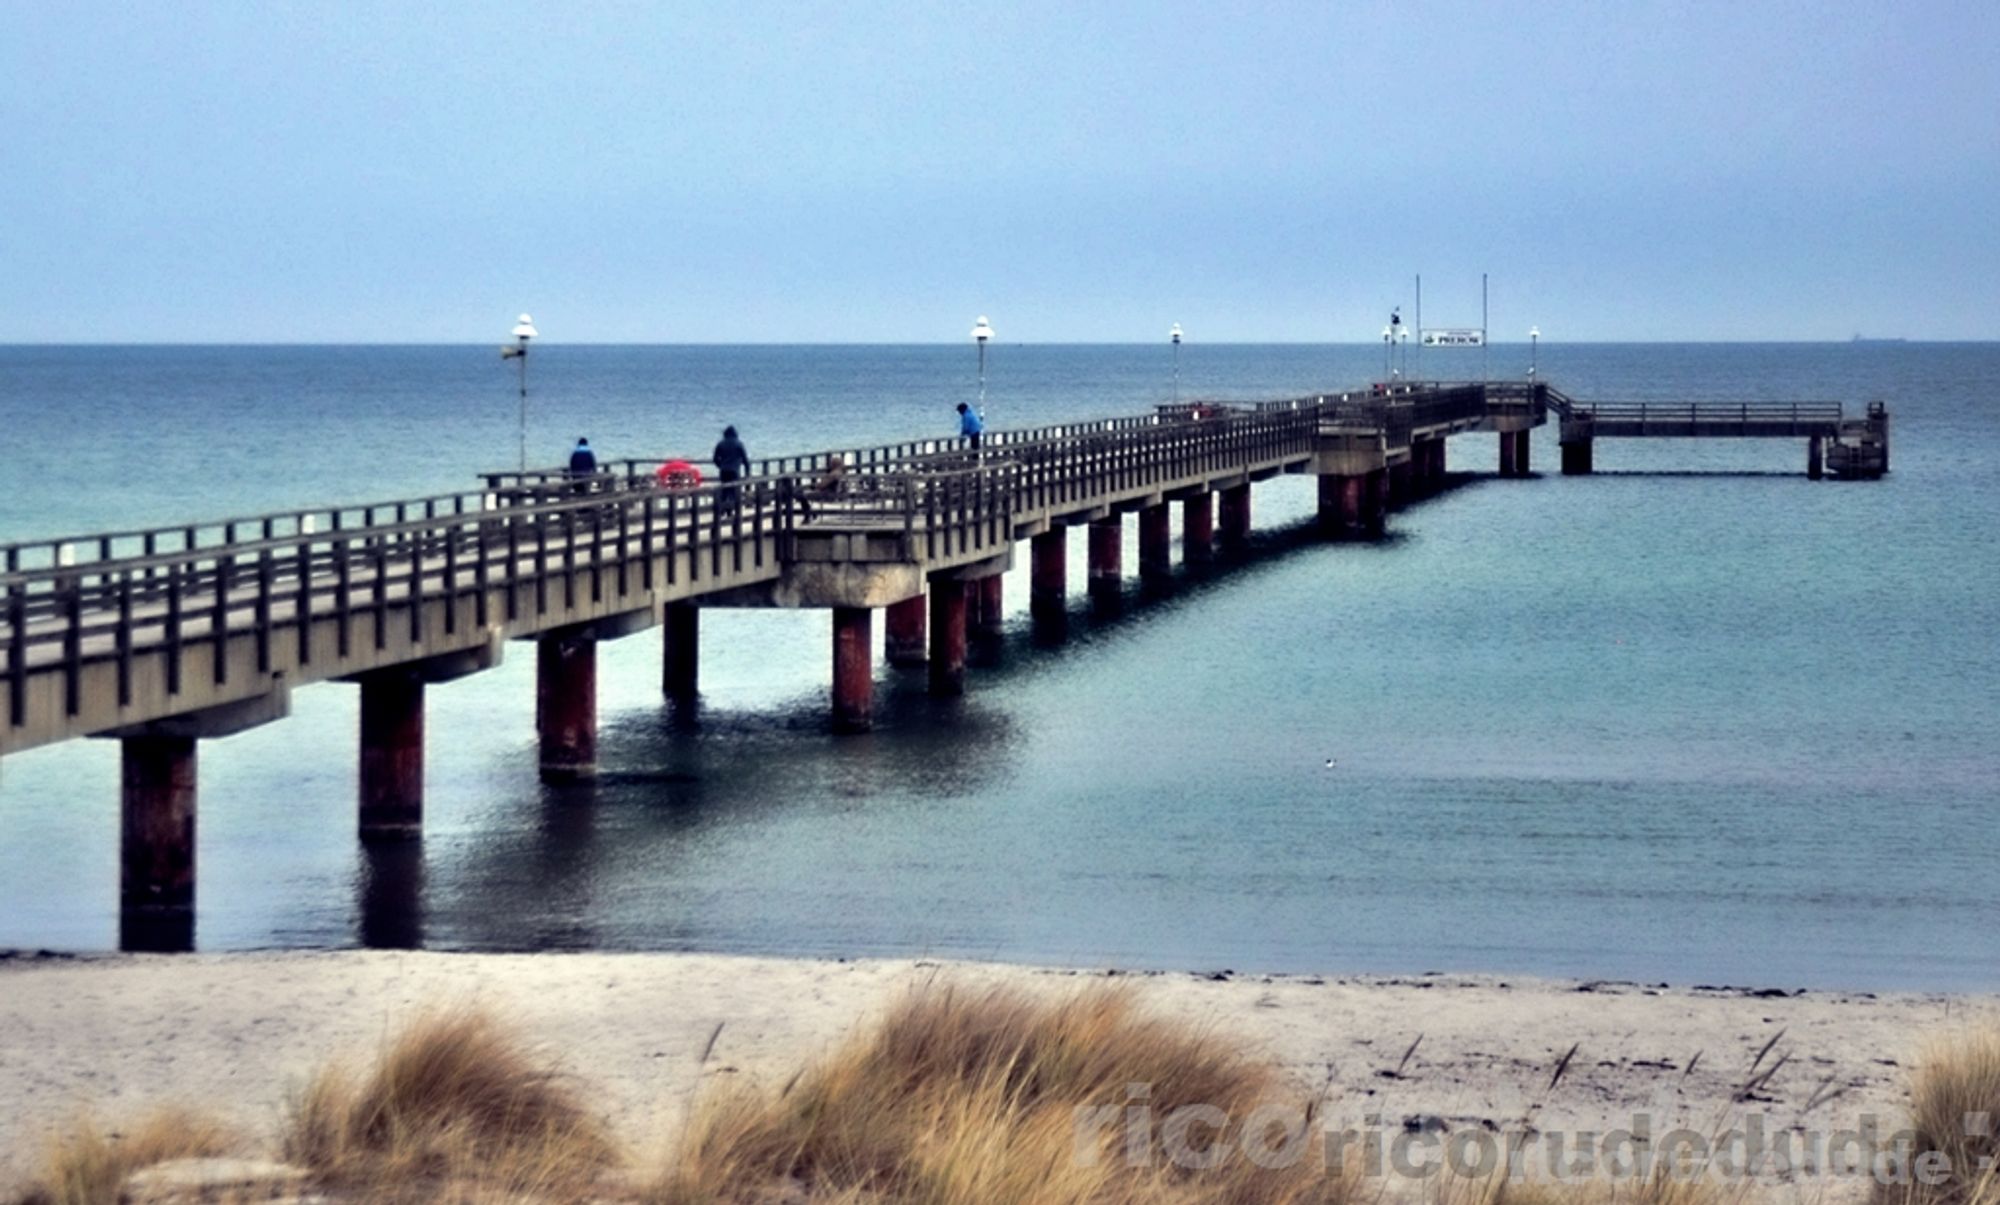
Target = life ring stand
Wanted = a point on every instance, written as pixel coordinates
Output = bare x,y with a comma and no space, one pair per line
677,475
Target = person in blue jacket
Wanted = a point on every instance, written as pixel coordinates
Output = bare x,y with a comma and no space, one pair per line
582,461
969,425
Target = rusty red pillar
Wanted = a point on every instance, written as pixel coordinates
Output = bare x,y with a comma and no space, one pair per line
392,755
680,660
1048,574
853,669
903,643
1343,504
1328,512
157,846
1375,500
1107,555
947,636
566,705
1400,489
987,609
1236,516
1156,543
1198,528
1423,466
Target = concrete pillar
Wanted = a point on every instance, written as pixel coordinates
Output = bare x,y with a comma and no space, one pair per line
1375,500
1156,540
1420,467
1048,575
680,661
1577,458
853,669
392,755
390,901
947,636
1343,504
157,847
566,705
1400,488
1438,463
986,606
1236,516
1509,465
1107,555
1198,528
1521,453
1816,457
904,641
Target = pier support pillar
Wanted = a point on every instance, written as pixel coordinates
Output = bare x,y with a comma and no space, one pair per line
392,755
1156,544
1514,453
1346,505
1375,500
1438,463
566,705
1425,466
680,662
903,643
986,606
1816,457
1048,575
1402,476
1198,528
156,852
947,636
1577,458
853,669
1236,516
1107,556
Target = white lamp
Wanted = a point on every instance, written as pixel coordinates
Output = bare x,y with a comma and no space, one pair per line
523,331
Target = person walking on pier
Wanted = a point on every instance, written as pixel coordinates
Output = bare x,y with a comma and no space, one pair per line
969,425
582,464
732,461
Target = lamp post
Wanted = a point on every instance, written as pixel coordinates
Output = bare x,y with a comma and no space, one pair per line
1175,335
1534,343
524,330
1402,351
981,332
1386,333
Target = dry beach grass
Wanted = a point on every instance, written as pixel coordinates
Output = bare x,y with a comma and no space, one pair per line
964,1085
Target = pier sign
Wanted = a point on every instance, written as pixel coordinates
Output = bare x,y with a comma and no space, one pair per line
1453,337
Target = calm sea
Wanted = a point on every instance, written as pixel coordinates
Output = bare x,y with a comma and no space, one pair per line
1694,718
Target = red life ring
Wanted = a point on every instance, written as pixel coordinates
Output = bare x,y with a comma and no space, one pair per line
678,475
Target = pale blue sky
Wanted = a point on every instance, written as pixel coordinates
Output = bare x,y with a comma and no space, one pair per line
1080,172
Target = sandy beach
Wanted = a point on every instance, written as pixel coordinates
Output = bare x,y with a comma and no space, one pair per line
114,1034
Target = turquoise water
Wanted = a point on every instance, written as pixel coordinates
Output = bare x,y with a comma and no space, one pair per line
1694,718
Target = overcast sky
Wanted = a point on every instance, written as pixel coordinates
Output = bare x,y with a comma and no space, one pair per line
739,172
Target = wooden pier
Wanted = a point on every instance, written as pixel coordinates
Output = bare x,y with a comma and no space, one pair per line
163,638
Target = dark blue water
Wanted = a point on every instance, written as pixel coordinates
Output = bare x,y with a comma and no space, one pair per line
1693,718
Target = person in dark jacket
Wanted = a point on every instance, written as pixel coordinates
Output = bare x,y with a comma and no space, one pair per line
732,462
582,466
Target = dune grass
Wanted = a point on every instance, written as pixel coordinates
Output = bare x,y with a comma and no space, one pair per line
456,1099
955,1097
1955,1112
86,1165
973,1096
